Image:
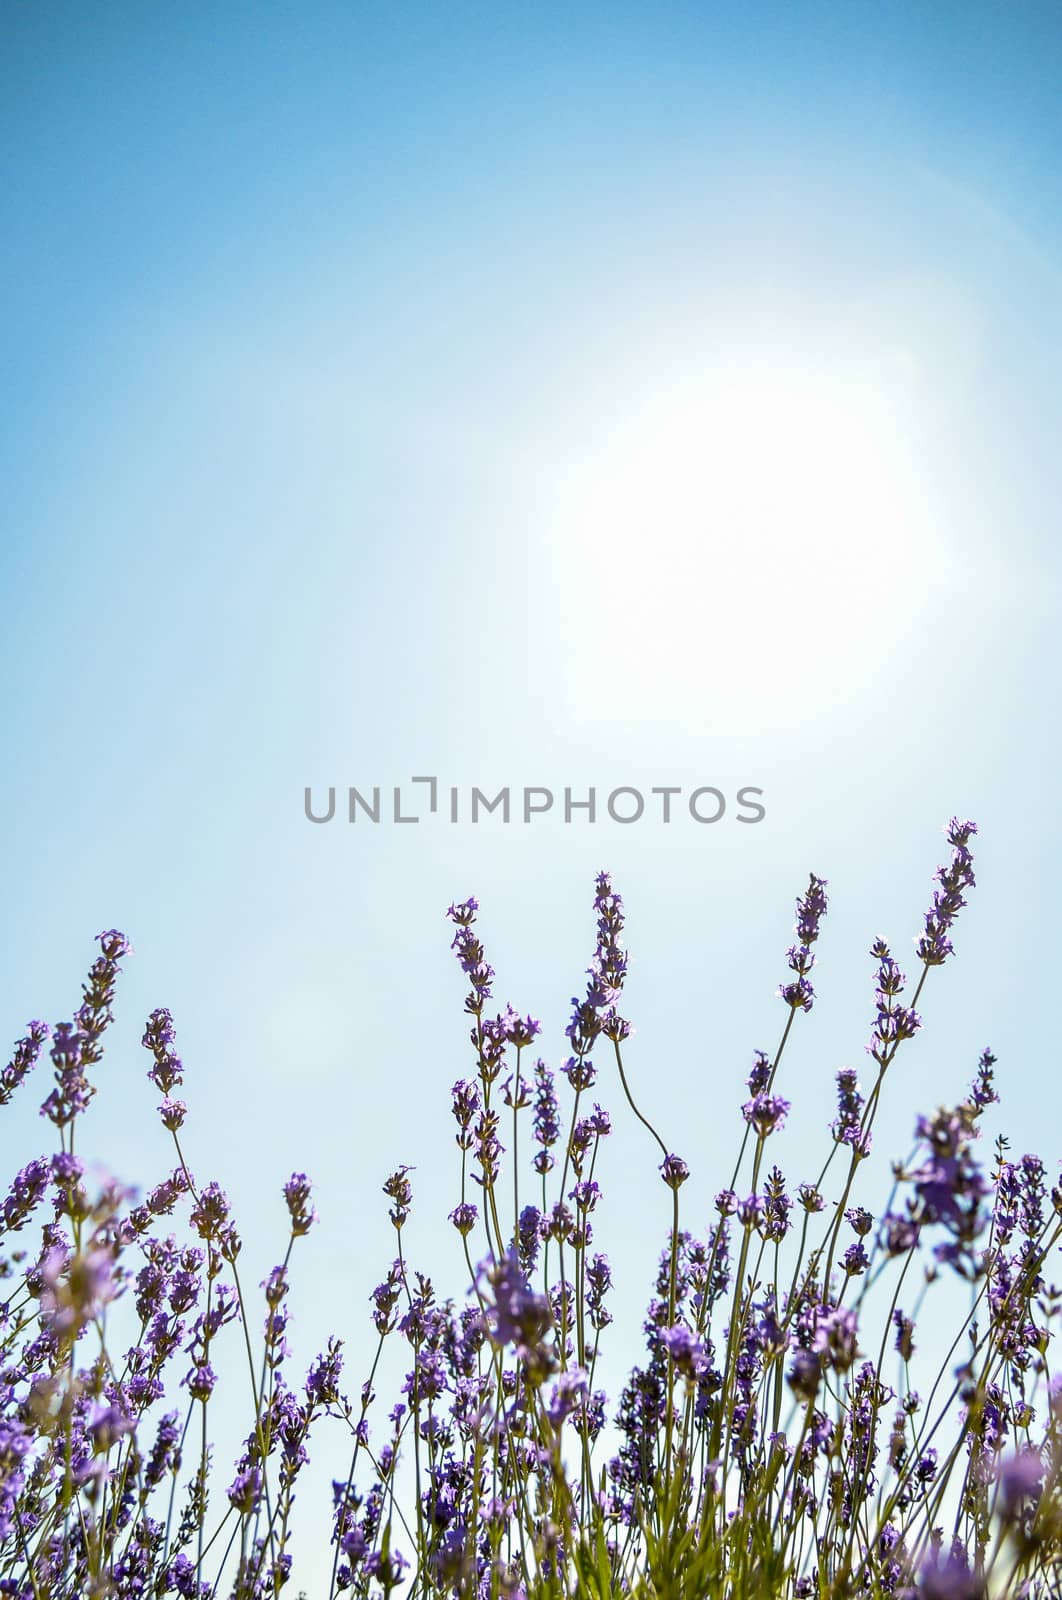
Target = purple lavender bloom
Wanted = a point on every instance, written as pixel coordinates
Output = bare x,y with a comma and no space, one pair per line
245,1491
674,1171
773,1221
1021,1482
546,1117
399,1189
106,1426
159,1037
72,1091
165,1195
760,1073
799,995
893,1022
529,1238
25,1058
385,1298
464,1217
1032,1189
847,1125
607,972
164,1450
580,1072
686,1351
934,946
983,1090
904,1334
949,1577
275,1286
559,1223
518,1317
464,912
583,1135
488,1149
210,1215
466,1106
855,1260
470,955
765,1113
200,1380
805,1374
598,1283
16,1443
172,1114
569,1394
811,908
93,1016
949,1184
898,1234
297,1200
521,1031
322,1380
835,1337
601,1122
26,1193
76,1288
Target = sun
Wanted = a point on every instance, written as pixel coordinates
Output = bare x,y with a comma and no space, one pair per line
745,539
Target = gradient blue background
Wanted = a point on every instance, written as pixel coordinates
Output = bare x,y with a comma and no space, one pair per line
313,316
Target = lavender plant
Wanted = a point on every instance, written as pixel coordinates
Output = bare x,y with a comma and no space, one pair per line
770,1442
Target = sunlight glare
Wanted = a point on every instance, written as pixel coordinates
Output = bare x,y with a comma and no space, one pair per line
756,533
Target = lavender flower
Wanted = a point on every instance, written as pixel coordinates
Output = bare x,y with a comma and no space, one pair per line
765,1113
674,1171
934,946
983,1090
521,1031
159,1036
399,1189
518,1317
949,1577
760,1073
297,1200
686,1351
464,1217
607,973
529,1238
598,1283
950,1185
495,1431
25,1195
799,994
25,1058
466,1106
835,1337
893,1021
1021,1483
546,1117
847,1127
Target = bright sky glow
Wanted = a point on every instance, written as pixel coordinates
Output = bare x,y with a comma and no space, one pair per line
757,517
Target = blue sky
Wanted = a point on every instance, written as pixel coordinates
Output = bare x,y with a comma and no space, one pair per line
563,396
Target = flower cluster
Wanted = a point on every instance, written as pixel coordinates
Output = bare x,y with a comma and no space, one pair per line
934,945
799,994
771,1439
